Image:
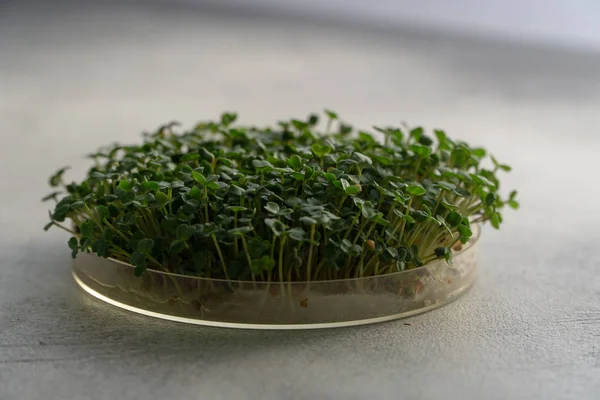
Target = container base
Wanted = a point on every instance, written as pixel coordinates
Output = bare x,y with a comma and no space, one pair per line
278,305
323,325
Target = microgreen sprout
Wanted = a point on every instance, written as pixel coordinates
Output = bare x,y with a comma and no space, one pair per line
286,203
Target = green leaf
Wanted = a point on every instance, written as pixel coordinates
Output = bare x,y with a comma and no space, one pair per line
294,162
87,229
408,219
126,185
297,234
61,211
200,259
122,227
481,180
198,177
466,222
416,190
330,114
240,231
213,186
403,253
184,232
236,209
257,247
103,212
352,190
308,220
320,150
77,205
447,185
496,220
271,207
345,129
462,192
414,255
465,233
420,215
392,252
366,137
400,266
107,235
353,250
416,133
177,246
228,118
330,177
276,226
206,155
150,185
448,206
362,158
441,136
137,258
51,196
479,152
161,198
427,210
55,180
189,157
448,257
97,175
368,211
344,184
262,164
444,252
490,199
421,151
144,246
494,161
453,218
73,243
336,225
378,218
236,190
425,140
441,251
101,248
265,263
130,219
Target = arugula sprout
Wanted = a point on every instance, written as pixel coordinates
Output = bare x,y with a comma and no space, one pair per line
284,203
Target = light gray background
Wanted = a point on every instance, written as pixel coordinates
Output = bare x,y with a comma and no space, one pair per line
572,23
74,76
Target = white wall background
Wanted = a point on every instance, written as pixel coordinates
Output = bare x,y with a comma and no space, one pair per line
572,23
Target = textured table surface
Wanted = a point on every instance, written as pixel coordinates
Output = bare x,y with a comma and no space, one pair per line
73,77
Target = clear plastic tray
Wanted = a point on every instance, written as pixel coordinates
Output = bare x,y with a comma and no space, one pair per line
296,305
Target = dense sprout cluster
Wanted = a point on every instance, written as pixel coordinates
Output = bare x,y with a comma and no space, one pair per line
287,203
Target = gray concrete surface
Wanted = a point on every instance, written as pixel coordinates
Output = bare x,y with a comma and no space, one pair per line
75,76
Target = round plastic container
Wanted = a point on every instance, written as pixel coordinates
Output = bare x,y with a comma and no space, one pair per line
275,305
